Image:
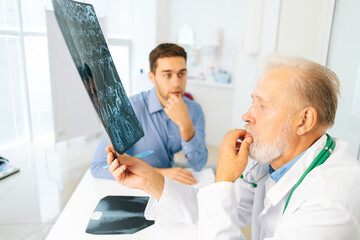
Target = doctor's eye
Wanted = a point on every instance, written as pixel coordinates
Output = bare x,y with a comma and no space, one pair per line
260,106
167,75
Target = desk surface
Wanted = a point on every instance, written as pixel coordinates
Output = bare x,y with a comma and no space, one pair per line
73,220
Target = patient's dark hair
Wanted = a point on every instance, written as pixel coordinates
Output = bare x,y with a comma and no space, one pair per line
165,50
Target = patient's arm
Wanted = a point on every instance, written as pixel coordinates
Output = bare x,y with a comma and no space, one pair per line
99,161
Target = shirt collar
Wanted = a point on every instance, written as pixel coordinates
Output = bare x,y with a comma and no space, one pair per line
154,102
284,185
276,175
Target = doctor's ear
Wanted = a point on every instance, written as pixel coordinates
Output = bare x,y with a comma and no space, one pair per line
307,119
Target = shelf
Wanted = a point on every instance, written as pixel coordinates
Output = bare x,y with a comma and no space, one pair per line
210,84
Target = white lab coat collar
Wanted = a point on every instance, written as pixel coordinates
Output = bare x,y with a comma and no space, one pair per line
287,182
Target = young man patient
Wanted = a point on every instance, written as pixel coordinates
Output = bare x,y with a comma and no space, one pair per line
171,122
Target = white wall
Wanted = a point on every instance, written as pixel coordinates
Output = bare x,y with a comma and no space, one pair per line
224,107
291,26
344,60
248,62
229,17
163,21
144,40
305,27
217,104
73,112
207,16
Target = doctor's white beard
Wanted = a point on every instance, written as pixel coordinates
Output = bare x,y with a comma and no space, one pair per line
266,152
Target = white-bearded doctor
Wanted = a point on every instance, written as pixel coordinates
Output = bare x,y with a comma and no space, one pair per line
302,183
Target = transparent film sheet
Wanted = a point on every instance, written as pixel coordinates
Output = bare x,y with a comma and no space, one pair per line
86,43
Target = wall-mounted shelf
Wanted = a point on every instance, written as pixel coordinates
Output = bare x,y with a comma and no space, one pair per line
210,84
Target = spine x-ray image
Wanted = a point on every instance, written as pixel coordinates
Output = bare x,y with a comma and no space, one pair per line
84,38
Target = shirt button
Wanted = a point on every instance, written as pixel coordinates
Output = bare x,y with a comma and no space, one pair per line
170,136
185,147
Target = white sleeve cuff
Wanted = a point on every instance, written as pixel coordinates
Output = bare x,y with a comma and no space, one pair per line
178,203
216,188
153,208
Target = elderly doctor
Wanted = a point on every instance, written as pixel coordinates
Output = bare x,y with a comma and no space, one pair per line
303,183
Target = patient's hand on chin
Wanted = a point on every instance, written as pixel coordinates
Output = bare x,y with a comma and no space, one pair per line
178,174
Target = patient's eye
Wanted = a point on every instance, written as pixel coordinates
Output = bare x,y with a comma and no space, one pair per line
182,74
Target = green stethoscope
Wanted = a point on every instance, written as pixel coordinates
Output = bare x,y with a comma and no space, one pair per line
320,159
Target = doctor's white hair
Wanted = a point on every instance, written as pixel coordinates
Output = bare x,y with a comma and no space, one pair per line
313,85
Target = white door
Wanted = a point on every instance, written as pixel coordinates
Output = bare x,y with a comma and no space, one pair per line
344,60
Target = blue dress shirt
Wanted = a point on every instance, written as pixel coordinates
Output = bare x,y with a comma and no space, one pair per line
276,175
161,135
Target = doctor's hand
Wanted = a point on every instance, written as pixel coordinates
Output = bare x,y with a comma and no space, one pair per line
233,156
177,111
133,172
178,174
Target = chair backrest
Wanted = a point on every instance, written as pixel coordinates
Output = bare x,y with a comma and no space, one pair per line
189,96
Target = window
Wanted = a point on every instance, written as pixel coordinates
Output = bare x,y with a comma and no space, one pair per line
120,53
13,121
119,31
38,82
25,94
14,118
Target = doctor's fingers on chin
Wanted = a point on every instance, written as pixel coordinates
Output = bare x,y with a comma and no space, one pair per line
235,134
244,147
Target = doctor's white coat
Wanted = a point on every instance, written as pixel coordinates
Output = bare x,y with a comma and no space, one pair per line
326,205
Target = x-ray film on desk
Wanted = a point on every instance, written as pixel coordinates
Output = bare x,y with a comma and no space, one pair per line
86,43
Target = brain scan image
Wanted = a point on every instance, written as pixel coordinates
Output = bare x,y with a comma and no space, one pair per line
90,53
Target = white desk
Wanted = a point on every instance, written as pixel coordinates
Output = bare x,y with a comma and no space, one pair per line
73,220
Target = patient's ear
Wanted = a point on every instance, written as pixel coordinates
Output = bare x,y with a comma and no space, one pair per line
151,76
307,120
